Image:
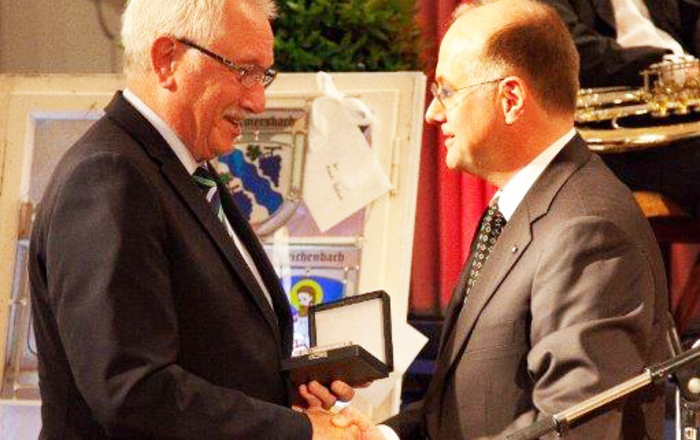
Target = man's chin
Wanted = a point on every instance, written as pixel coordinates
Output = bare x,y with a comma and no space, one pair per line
224,145
224,149
452,163
459,165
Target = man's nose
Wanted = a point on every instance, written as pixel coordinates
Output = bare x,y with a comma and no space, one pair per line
253,99
435,113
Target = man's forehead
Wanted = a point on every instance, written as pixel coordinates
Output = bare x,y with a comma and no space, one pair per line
240,17
457,50
247,34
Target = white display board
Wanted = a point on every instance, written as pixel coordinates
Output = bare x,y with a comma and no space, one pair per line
40,117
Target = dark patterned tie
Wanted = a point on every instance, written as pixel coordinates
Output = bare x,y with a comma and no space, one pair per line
492,223
205,181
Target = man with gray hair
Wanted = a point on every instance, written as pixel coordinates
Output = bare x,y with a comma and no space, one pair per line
564,294
157,314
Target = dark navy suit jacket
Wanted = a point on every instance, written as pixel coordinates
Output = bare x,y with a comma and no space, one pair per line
148,322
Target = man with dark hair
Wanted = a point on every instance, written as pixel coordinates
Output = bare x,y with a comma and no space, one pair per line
564,294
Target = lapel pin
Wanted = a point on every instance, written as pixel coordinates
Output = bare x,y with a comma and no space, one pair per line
514,249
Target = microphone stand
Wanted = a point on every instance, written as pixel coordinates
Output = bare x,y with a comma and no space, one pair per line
687,402
561,421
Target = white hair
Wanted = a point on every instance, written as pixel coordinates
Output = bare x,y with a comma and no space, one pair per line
144,21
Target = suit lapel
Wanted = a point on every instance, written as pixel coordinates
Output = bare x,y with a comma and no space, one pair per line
514,240
454,307
510,245
192,196
124,115
281,313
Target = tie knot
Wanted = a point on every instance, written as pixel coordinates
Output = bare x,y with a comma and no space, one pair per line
204,178
493,219
206,182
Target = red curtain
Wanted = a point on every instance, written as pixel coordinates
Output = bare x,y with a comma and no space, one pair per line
449,203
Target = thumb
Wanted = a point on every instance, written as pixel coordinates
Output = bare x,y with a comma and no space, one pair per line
350,415
340,421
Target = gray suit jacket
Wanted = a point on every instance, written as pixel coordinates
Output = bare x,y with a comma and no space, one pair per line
571,302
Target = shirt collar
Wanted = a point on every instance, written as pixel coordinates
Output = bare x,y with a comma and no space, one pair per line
178,147
513,192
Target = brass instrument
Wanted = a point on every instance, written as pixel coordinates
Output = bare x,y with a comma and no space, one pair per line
665,109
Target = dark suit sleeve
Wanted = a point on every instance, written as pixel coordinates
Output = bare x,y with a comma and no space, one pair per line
603,61
689,11
408,424
593,320
110,294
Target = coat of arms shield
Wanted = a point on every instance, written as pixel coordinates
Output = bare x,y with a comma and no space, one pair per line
264,171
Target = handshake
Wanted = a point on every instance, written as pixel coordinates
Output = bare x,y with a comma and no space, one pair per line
348,424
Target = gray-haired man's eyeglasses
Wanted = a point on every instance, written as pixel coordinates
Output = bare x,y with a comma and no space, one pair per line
444,96
248,74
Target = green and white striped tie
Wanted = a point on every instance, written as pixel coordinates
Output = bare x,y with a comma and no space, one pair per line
205,181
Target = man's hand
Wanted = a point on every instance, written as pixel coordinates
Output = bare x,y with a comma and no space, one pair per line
316,395
352,417
324,429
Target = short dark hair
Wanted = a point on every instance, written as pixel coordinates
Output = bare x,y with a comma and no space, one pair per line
538,45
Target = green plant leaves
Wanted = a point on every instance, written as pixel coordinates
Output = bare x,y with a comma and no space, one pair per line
346,35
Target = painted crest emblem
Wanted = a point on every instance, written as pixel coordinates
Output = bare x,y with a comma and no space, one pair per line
264,171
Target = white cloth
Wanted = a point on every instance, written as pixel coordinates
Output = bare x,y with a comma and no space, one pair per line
513,192
388,433
635,28
342,173
190,164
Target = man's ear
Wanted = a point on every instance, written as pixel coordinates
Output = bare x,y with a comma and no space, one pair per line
513,96
164,60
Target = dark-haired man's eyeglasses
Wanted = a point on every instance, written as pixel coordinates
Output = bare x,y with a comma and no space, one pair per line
248,74
444,96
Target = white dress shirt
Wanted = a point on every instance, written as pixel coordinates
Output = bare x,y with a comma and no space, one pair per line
513,192
509,197
635,28
190,164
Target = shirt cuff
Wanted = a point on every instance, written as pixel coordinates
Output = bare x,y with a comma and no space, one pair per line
388,433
